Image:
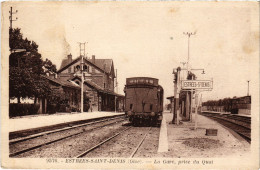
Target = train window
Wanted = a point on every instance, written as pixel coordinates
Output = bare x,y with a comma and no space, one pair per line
151,81
141,80
131,81
131,106
147,81
151,107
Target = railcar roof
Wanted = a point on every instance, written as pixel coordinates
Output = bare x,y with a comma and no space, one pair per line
141,77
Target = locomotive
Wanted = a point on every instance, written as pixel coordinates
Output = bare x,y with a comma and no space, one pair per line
143,100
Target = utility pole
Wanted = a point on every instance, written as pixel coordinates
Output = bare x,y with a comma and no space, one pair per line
176,96
188,68
248,87
11,16
82,55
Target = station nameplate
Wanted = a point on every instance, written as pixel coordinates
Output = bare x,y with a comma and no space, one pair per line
196,84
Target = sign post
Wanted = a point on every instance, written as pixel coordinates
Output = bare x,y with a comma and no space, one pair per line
196,85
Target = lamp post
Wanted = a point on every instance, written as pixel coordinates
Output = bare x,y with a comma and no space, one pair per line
188,60
188,68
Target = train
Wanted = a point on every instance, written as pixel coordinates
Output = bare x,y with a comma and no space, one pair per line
143,100
235,105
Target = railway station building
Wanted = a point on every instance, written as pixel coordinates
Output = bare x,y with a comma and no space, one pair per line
99,82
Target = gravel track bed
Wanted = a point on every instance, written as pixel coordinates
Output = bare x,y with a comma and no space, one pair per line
53,136
121,146
149,147
67,147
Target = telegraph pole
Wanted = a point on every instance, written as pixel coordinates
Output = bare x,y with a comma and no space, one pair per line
82,55
11,16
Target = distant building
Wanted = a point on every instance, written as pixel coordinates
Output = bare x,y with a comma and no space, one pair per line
241,105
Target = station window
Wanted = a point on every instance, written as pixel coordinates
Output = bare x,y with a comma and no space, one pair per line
85,68
77,68
151,107
131,106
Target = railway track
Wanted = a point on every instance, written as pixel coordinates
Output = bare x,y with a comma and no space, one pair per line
139,145
241,125
133,153
107,144
101,143
38,136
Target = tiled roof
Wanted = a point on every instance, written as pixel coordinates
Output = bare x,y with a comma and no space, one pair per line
64,62
100,63
62,82
98,88
103,62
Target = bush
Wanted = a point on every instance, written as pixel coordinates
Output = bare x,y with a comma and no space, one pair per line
62,108
68,110
74,109
22,109
34,108
52,108
234,111
86,107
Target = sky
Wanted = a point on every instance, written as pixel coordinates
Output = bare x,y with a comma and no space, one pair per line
146,38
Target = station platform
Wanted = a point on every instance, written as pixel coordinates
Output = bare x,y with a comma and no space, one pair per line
184,140
242,115
37,121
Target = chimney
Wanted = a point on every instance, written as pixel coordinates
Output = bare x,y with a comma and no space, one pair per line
69,58
93,59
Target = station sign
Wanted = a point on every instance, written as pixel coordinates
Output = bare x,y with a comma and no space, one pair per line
197,84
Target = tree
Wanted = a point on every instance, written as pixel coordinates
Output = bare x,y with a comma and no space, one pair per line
25,69
49,66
